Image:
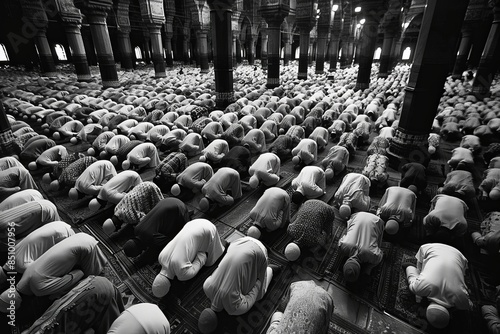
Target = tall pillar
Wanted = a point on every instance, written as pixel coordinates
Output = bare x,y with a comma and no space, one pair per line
169,33
37,18
263,48
251,44
201,35
89,45
185,47
78,56
238,50
153,15
126,52
385,56
234,48
287,56
372,12
123,34
434,51
489,64
397,42
96,13
157,48
220,20
463,51
333,53
274,16
306,12
320,51
311,52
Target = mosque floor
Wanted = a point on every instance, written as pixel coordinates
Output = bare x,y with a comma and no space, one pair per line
353,312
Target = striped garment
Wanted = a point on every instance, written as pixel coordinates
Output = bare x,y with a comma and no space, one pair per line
138,202
174,163
200,124
65,162
154,117
71,173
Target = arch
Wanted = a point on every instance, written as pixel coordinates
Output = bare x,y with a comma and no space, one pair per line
378,52
138,53
406,53
60,52
4,56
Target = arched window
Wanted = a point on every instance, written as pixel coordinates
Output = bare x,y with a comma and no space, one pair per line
339,54
61,54
138,52
4,56
406,53
376,55
297,53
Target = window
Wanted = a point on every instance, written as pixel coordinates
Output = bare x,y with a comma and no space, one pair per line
406,54
376,55
138,52
61,54
4,56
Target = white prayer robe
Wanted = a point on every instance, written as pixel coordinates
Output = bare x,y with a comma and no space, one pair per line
321,136
115,143
216,150
266,168
38,242
195,176
267,210
19,198
337,159
446,211
223,180
180,257
440,276
143,318
354,192
310,182
94,177
399,204
256,139
114,190
192,144
50,273
139,154
52,156
306,150
363,238
240,279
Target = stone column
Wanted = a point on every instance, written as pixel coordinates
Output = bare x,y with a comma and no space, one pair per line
78,56
157,48
234,49
201,35
385,56
89,45
123,34
220,20
274,16
238,50
185,47
321,50
287,39
36,17
397,42
333,52
436,47
96,13
251,44
463,51
304,52
263,48
489,63
311,53
169,33
372,12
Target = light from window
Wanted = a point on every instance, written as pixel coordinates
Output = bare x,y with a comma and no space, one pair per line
61,54
376,55
406,53
4,56
297,53
138,53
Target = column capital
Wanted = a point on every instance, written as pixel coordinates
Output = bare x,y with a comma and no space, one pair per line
274,14
94,7
152,11
34,11
68,12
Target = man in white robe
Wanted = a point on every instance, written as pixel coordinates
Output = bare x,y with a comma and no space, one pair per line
305,153
91,181
255,141
439,276
267,210
34,245
143,318
192,179
222,188
353,193
115,189
397,208
335,162
215,151
198,244
266,169
310,183
361,244
143,155
54,273
446,218
19,198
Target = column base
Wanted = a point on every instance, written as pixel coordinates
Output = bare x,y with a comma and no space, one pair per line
406,148
319,72
84,77
160,75
383,75
112,84
223,99
302,76
361,86
204,70
273,82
